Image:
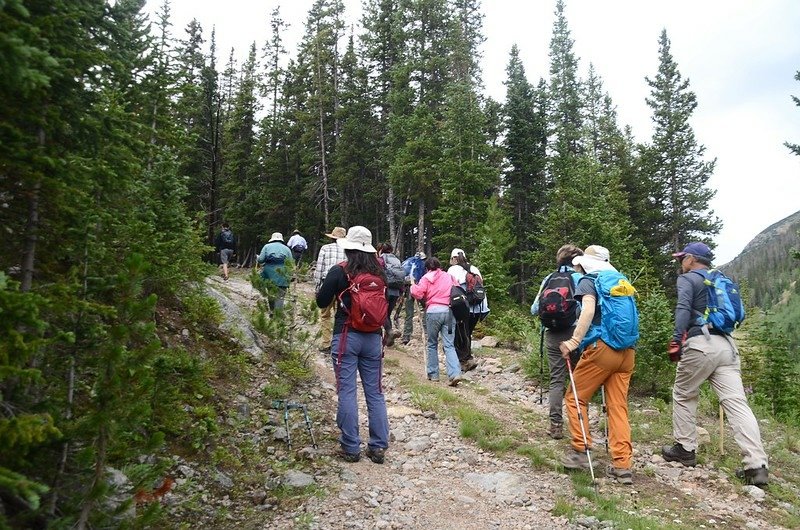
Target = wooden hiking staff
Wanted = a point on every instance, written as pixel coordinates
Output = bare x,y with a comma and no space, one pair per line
721,431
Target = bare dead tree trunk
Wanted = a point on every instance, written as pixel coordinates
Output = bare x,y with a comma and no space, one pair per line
324,168
421,226
32,227
62,464
394,235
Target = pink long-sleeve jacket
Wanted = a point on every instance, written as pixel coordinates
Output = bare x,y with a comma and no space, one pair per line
434,288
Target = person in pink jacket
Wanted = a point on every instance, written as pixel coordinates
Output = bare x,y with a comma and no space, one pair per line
434,289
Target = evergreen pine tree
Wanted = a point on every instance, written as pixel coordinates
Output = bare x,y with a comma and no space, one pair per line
673,163
525,145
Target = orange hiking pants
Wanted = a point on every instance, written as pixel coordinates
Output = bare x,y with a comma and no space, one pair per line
601,365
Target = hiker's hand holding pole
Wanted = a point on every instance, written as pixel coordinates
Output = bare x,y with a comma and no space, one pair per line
567,347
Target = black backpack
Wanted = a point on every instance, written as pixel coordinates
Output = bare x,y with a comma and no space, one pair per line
227,237
458,303
475,290
557,305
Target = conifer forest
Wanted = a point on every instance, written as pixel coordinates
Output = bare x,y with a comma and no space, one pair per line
125,142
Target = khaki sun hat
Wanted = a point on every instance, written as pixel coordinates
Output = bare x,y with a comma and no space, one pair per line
337,233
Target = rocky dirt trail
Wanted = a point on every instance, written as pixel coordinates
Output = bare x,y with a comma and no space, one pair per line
433,477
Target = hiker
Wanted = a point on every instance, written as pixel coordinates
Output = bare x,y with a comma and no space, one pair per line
558,311
705,352
414,268
329,255
434,289
277,260
225,243
477,311
357,351
395,280
600,364
297,244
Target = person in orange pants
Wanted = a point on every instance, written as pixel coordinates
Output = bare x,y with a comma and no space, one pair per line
599,365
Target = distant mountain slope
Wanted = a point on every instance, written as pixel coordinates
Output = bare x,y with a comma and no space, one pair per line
767,265
772,276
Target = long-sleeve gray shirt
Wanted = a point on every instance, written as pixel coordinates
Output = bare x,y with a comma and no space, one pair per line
692,302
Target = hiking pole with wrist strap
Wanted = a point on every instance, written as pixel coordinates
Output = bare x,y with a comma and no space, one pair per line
721,430
580,420
541,367
605,412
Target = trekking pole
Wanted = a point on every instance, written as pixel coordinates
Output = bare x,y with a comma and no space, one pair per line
580,420
308,426
286,424
605,412
721,431
541,367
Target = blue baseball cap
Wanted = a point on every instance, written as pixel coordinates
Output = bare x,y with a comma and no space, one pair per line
696,249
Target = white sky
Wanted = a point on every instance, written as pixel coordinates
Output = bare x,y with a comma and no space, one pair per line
740,57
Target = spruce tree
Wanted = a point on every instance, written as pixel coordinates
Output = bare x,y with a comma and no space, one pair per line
524,179
564,92
674,164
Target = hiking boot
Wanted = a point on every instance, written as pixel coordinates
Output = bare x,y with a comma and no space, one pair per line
434,378
454,381
469,364
621,475
405,342
757,476
376,455
556,431
348,457
676,453
573,459
325,350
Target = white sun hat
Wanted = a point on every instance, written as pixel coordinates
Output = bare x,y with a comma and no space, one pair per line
595,259
357,238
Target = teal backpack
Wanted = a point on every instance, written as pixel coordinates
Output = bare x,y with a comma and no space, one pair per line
725,310
619,318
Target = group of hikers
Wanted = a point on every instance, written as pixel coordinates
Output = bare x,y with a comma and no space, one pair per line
590,327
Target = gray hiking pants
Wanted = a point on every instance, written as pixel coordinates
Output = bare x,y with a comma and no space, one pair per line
558,370
716,359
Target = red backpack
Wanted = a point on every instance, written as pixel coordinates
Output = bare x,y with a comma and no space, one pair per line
368,303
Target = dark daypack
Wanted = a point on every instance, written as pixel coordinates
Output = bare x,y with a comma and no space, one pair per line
558,308
227,237
368,303
725,310
395,274
475,290
458,303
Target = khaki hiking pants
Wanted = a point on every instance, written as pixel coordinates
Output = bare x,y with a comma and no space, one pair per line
601,365
716,359
326,325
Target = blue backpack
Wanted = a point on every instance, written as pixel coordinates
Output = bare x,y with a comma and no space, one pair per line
724,309
619,318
